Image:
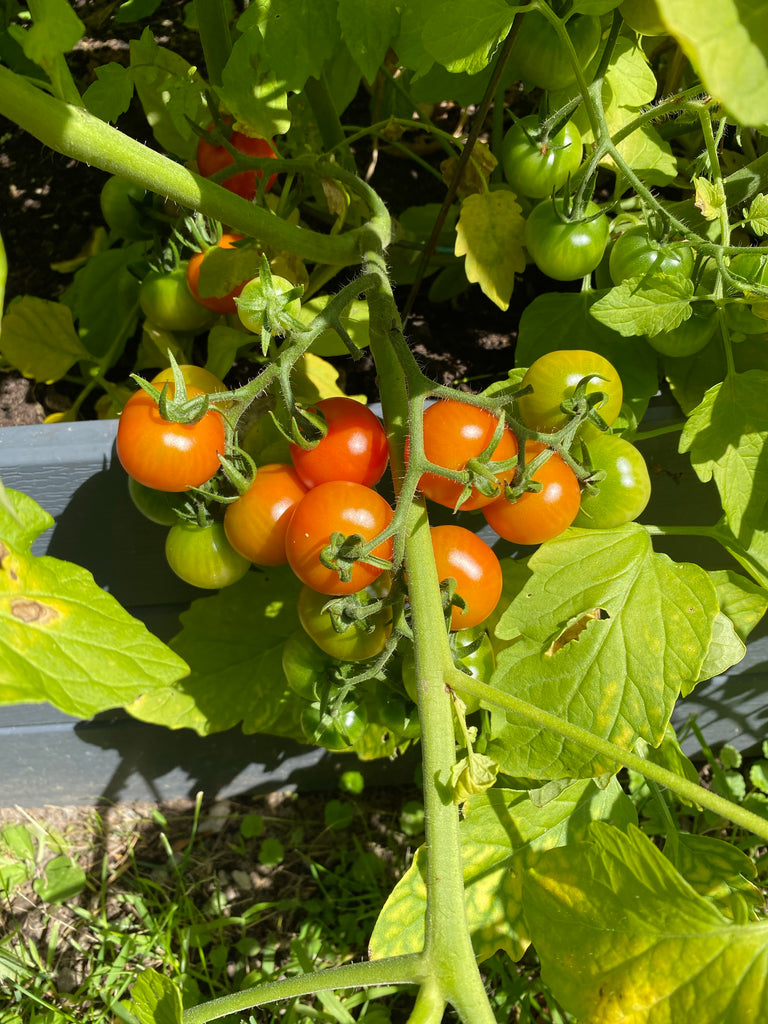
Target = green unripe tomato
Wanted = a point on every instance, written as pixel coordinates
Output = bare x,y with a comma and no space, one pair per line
166,301
339,732
161,507
643,16
535,171
562,249
253,303
203,557
352,644
624,492
635,254
690,337
540,58
119,200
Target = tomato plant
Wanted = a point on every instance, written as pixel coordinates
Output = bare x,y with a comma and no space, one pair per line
455,433
740,316
464,557
168,456
541,58
553,379
625,490
336,507
358,642
257,522
161,507
212,158
565,249
354,446
537,516
194,376
224,304
636,254
203,557
539,168
167,301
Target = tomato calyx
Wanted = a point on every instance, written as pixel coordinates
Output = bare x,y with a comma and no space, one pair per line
269,304
342,553
174,402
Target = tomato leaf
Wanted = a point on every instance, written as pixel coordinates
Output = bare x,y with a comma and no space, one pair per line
368,30
252,91
233,644
39,338
727,42
111,94
620,677
502,832
466,44
622,936
727,436
62,638
647,305
171,93
757,214
490,234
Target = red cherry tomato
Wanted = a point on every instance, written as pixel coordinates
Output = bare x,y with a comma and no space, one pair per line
454,433
211,159
257,522
339,506
537,516
224,304
354,448
168,456
462,555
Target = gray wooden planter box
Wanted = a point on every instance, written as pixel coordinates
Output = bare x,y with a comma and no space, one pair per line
47,757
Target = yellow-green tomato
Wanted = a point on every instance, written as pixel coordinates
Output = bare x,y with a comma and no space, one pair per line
356,643
255,304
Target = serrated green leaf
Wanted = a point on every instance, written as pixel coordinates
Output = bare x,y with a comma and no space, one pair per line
171,93
729,756
111,94
463,44
233,644
562,320
715,869
39,338
621,675
104,299
65,640
622,936
690,377
489,234
727,43
757,214
155,999
56,30
709,198
758,775
502,832
368,31
645,305
742,600
252,92
298,38
726,436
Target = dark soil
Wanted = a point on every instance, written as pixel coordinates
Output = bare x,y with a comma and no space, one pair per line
49,209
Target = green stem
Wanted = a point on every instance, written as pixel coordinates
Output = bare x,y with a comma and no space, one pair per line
401,970
76,133
683,787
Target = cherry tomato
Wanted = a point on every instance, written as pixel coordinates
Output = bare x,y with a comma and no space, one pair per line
166,300
256,524
554,377
354,447
203,557
753,266
161,507
462,555
540,58
635,254
353,644
334,732
454,433
211,159
305,666
251,304
535,170
690,337
537,516
337,506
120,201
168,456
624,492
194,376
223,304
565,250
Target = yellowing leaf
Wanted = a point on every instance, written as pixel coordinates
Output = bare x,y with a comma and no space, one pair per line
489,234
476,173
709,199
